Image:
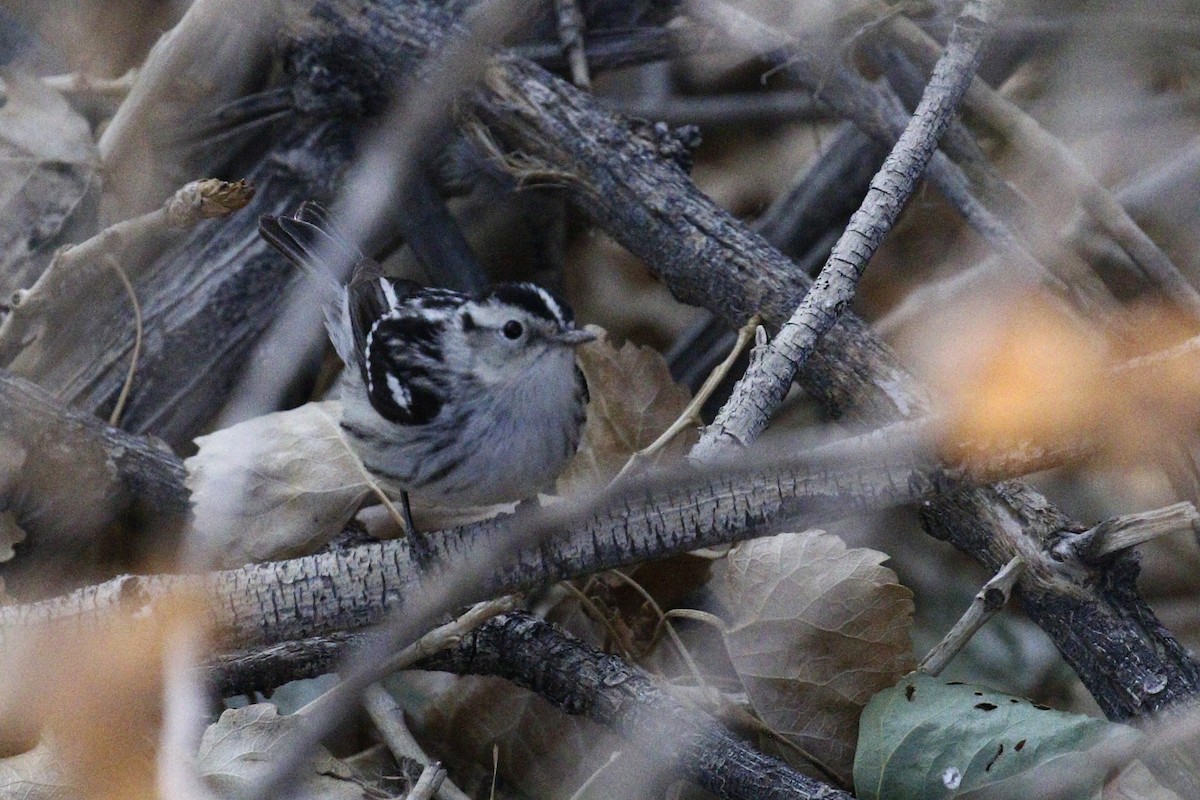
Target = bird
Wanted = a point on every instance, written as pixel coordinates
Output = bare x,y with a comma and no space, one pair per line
463,399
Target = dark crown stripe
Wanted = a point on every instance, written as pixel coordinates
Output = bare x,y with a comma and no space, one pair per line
535,300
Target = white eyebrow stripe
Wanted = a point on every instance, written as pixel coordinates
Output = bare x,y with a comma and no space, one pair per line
551,304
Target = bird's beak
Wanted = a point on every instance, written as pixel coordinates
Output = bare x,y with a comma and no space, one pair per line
574,338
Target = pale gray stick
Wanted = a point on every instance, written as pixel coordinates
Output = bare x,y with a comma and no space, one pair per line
388,717
991,598
1119,533
756,396
570,33
430,781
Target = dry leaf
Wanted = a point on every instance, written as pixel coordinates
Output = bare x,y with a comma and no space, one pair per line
274,487
241,747
36,775
544,752
48,162
633,400
815,630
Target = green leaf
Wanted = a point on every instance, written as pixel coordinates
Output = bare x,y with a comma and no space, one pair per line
927,739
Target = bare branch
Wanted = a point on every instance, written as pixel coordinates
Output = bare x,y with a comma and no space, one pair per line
1005,119
1120,533
70,481
265,604
760,391
990,599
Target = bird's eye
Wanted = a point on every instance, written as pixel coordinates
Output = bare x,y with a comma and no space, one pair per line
512,329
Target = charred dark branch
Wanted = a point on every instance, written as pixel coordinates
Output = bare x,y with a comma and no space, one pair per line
575,677
581,680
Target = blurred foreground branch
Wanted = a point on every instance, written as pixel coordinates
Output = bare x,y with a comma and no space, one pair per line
90,499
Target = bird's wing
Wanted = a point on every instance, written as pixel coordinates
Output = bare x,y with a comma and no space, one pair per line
403,366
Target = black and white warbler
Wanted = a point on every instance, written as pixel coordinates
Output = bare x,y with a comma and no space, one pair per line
463,400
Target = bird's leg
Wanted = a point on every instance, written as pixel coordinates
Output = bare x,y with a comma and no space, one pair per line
420,549
406,508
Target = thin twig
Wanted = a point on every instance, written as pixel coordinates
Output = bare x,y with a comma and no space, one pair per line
1120,533
583,787
724,110
589,606
991,598
82,83
430,781
570,33
388,717
115,417
691,414
675,640
427,645
762,389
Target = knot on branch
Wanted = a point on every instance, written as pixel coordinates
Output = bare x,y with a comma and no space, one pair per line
673,144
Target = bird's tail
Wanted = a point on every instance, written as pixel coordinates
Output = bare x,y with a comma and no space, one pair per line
312,242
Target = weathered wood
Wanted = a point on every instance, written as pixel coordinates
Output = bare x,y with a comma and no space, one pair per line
263,605
708,259
92,500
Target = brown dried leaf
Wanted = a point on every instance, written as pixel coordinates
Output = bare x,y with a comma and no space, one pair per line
276,486
633,400
544,752
815,630
240,748
48,162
